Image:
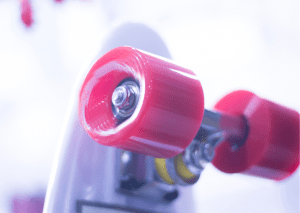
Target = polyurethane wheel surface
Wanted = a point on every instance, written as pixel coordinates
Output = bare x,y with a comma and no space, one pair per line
272,146
168,113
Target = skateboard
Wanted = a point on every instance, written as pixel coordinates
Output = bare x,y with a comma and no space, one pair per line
138,133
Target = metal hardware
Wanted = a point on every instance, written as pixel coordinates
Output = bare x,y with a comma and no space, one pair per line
138,177
125,99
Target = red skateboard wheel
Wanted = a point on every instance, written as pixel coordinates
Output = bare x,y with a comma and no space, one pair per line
272,146
168,113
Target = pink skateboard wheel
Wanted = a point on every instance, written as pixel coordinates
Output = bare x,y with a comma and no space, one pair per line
168,113
272,146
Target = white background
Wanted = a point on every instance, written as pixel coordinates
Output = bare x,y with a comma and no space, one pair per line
252,45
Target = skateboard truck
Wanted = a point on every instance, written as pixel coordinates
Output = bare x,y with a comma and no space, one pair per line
145,104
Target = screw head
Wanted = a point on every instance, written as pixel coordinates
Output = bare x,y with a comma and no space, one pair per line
119,97
125,98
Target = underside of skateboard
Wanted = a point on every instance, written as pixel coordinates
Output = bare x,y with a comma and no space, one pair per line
138,133
142,103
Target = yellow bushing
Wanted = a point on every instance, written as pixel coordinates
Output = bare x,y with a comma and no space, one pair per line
183,171
161,168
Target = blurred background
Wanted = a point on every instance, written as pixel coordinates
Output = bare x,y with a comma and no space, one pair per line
252,45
